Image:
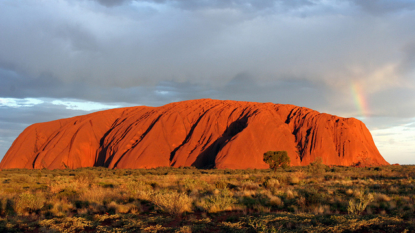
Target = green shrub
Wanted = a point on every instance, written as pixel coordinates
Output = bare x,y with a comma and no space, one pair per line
81,204
317,166
21,179
249,201
220,202
282,178
190,184
106,185
9,208
136,187
250,185
277,159
68,194
221,184
313,196
1,206
87,178
29,202
271,183
357,207
154,185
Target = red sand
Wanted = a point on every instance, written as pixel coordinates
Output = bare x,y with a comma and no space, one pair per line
203,133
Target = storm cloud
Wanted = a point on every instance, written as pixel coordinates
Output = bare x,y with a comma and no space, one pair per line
126,52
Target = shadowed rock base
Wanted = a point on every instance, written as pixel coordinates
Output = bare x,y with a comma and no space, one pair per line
203,133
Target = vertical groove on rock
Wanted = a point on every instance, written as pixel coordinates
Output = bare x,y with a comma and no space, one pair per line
189,135
141,138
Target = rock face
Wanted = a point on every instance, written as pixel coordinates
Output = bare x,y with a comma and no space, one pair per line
202,133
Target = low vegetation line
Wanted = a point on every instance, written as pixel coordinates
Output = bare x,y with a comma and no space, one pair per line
314,198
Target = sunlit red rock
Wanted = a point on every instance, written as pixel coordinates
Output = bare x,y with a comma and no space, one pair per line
202,133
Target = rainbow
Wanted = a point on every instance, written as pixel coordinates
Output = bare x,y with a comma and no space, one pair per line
359,99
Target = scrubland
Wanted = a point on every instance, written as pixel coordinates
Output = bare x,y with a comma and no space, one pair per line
298,199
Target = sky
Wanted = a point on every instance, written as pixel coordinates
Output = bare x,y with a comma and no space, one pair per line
351,58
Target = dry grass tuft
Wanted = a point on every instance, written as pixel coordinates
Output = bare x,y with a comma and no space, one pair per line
382,198
289,194
28,202
349,192
215,203
272,183
276,201
173,202
293,179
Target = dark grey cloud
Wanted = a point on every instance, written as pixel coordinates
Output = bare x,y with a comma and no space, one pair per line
246,4
394,102
242,86
408,59
302,52
217,4
111,3
143,45
376,7
379,7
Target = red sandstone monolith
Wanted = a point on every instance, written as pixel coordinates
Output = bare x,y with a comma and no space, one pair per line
203,133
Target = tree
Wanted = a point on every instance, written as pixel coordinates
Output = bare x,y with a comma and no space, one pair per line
277,159
317,166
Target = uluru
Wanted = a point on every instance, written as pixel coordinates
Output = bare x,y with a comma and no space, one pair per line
203,133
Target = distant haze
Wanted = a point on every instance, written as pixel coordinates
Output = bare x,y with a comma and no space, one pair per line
349,58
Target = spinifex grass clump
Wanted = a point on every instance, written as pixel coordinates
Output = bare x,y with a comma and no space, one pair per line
29,202
297,199
359,205
220,201
172,202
